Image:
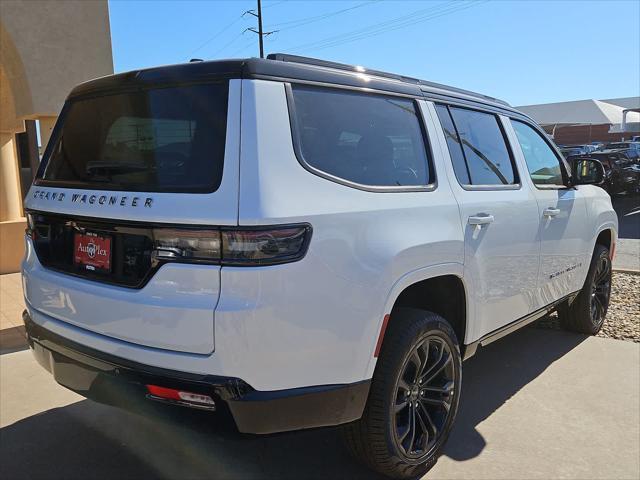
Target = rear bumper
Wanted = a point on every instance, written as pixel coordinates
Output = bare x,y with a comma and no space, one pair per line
120,382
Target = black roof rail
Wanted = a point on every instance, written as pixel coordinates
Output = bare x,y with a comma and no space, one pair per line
285,57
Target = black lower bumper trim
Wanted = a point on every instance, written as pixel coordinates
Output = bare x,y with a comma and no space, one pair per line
120,382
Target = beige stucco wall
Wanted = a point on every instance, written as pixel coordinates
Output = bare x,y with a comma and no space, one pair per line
46,48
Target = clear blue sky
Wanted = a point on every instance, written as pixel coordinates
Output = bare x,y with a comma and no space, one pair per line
522,51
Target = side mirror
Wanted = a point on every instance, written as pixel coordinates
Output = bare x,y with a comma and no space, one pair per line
587,171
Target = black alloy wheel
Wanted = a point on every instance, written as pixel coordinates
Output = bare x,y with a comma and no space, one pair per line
600,290
424,395
587,312
414,396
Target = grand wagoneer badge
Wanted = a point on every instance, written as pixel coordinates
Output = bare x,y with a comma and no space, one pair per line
122,200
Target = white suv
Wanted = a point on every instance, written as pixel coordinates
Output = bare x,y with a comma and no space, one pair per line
304,244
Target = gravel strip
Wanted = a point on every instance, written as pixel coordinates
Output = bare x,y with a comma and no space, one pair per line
623,316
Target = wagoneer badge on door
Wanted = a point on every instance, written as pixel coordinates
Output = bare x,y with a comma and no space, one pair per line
122,200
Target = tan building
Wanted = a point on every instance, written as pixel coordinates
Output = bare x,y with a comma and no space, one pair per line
46,47
586,121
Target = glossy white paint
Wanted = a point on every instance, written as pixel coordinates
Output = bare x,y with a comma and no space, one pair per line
501,249
174,311
316,321
566,231
600,212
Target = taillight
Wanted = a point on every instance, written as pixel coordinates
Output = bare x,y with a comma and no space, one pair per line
30,226
238,246
186,244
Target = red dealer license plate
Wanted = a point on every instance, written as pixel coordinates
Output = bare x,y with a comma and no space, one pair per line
92,251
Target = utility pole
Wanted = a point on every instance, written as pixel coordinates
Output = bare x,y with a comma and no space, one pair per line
260,33
260,28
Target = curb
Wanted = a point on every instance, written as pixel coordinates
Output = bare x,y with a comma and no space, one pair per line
632,271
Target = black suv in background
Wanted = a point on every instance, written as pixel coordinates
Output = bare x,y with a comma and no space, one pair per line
622,171
576,150
621,161
633,148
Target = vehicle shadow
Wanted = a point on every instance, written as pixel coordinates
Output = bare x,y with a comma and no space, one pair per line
496,374
87,440
13,340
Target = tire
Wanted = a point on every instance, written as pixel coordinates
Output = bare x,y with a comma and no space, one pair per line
587,312
375,438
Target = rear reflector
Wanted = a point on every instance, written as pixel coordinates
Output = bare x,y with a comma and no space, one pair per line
612,254
383,329
188,399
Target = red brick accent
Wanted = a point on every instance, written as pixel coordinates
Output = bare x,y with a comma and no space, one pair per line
580,134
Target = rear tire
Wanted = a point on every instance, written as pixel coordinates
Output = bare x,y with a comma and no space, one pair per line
413,399
587,312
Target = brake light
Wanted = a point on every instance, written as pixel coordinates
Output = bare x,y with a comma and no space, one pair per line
244,246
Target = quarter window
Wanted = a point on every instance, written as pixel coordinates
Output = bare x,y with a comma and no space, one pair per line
487,157
367,139
455,147
542,162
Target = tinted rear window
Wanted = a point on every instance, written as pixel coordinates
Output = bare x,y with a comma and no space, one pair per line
368,139
161,140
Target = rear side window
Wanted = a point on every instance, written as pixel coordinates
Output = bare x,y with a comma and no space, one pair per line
487,158
367,139
159,140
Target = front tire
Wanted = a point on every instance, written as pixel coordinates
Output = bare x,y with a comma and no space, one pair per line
413,399
587,312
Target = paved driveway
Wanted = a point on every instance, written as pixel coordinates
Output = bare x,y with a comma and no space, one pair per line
538,404
628,247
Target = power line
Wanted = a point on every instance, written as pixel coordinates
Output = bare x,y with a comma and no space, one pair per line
227,44
241,49
220,32
269,5
388,26
316,18
387,23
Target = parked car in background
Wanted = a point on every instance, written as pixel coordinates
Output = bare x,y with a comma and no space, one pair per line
635,138
621,173
632,147
575,150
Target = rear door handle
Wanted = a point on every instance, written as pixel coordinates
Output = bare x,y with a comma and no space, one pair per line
481,220
551,212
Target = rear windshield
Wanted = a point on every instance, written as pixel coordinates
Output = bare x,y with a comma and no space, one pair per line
161,140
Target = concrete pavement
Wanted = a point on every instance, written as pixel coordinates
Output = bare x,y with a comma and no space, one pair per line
537,404
627,254
628,246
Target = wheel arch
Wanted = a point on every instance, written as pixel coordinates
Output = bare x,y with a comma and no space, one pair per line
606,236
440,289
